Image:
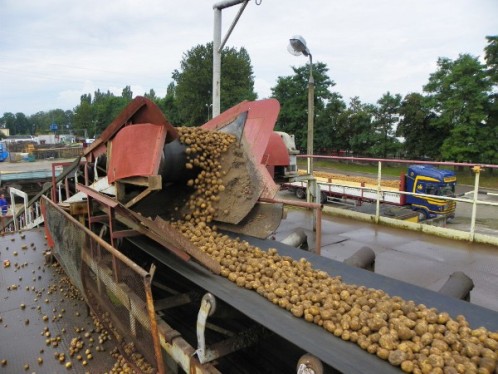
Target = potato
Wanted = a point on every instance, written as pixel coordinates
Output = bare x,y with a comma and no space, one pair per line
397,357
416,338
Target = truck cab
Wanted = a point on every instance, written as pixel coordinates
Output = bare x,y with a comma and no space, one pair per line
429,180
280,156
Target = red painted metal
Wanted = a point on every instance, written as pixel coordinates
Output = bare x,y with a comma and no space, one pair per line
261,118
276,153
140,110
50,239
402,186
136,151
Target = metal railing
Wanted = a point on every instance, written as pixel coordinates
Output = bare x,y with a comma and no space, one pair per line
117,290
474,232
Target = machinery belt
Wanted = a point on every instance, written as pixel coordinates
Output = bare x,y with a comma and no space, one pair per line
341,355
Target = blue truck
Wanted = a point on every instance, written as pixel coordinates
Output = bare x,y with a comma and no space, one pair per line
419,179
429,180
3,152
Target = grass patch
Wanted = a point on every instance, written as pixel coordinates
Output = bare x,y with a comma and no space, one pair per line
487,179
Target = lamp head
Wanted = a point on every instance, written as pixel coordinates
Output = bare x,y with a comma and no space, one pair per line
297,46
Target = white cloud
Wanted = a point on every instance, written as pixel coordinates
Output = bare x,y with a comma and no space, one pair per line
52,51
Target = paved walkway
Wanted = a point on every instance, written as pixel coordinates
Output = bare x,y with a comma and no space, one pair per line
18,167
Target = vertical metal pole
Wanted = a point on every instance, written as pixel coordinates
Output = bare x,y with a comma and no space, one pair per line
477,170
318,237
315,187
216,62
311,112
153,322
311,117
377,206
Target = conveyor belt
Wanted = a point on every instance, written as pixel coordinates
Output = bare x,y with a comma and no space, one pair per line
344,356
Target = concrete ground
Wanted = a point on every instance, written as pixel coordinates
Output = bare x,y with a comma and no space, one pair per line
19,167
41,313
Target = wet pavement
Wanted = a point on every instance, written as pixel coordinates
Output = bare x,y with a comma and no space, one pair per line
413,257
42,317
40,165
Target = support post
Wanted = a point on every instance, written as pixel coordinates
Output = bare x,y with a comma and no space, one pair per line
477,171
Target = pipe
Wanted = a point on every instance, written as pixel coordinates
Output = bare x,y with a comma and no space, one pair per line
296,239
216,61
232,26
227,4
302,204
364,258
458,285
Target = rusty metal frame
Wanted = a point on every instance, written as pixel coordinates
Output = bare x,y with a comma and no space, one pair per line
64,176
137,311
169,339
151,183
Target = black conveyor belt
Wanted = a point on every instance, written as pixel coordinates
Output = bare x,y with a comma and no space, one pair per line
344,356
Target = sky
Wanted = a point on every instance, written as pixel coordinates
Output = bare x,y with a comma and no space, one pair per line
54,51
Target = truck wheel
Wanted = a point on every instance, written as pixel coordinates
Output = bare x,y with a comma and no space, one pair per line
300,193
323,197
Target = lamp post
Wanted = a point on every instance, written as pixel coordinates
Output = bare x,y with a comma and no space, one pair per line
218,45
297,46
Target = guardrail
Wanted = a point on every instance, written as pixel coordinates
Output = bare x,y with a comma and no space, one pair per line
30,216
475,231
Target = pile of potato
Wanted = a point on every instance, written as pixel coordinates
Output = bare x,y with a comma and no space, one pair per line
204,149
412,336
352,178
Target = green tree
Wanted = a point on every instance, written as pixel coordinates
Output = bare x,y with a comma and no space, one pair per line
193,82
94,114
292,93
385,123
22,125
83,117
357,130
491,57
9,122
329,124
459,92
151,95
417,128
169,107
127,94
40,122
489,129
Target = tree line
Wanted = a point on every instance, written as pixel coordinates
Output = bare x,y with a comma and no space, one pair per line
455,118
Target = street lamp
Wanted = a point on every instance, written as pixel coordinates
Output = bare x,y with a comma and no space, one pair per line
209,107
297,46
